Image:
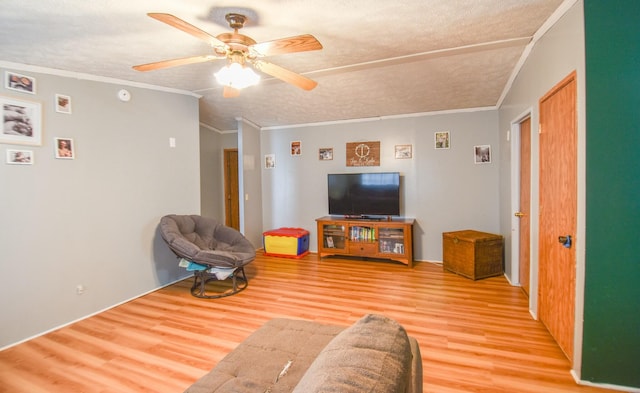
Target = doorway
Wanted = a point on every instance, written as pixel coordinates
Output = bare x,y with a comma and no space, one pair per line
231,193
558,212
524,212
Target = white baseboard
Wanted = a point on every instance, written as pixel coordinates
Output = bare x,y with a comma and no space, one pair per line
603,385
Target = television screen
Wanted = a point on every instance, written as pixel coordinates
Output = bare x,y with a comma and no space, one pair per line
364,194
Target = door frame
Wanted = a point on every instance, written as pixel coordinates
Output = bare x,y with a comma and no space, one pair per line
515,206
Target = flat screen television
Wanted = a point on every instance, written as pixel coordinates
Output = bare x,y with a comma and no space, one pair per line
364,194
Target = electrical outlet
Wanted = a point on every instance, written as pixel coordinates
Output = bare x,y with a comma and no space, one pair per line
80,289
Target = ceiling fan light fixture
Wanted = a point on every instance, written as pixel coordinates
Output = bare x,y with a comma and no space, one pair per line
237,76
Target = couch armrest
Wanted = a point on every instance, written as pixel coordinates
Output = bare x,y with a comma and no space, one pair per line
373,355
414,385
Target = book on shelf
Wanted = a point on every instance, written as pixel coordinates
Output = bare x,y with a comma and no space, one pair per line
362,234
330,243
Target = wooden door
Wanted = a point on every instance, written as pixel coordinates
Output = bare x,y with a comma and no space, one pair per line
231,196
525,204
558,211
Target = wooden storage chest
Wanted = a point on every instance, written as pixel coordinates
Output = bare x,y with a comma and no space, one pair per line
473,254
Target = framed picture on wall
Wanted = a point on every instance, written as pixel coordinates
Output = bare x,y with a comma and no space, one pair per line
63,104
482,154
65,149
21,122
296,148
442,140
270,161
18,82
325,153
20,157
404,151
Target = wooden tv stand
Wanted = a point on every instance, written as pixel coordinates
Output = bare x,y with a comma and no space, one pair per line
375,238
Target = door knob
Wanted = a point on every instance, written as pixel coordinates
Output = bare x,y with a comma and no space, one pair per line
565,241
519,214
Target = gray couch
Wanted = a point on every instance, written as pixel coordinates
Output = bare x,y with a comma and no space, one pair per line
373,355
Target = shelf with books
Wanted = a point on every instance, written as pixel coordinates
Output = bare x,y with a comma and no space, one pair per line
386,239
362,233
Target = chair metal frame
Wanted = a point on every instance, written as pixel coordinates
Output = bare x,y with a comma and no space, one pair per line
202,277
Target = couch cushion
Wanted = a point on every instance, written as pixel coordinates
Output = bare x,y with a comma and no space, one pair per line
373,355
254,366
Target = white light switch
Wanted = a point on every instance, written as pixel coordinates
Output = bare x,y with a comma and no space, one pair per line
172,142
246,197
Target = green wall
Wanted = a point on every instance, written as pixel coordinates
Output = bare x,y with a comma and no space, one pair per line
611,343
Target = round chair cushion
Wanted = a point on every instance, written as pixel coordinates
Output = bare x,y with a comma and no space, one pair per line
203,240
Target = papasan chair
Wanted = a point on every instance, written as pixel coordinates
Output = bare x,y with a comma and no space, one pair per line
214,252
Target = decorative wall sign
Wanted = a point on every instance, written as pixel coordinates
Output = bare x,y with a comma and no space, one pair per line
482,154
442,140
21,122
363,153
325,153
64,148
296,148
21,83
63,104
404,151
20,157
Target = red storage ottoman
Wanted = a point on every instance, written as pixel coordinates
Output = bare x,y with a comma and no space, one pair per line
286,242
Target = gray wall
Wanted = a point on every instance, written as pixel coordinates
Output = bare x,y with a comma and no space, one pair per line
211,174
250,182
444,190
92,221
212,146
559,52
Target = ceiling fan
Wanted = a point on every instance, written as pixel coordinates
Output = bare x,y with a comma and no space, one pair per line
239,50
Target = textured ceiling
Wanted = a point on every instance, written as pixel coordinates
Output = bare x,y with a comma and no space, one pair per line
378,58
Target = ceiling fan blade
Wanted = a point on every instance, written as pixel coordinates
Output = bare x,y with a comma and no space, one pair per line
283,74
188,28
230,92
300,43
173,63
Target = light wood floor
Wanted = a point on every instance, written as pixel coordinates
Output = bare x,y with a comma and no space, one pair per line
474,336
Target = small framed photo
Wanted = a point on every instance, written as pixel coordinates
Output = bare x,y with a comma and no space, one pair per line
270,161
20,157
21,122
404,151
296,148
482,154
442,140
325,153
63,104
18,82
65,149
